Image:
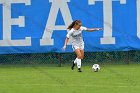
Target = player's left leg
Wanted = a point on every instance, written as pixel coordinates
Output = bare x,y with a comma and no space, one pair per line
82,53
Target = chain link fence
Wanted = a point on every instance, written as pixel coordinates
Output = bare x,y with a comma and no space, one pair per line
118,57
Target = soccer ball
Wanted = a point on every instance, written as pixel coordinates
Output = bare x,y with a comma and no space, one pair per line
96,67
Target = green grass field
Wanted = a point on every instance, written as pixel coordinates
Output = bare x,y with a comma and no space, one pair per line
53,79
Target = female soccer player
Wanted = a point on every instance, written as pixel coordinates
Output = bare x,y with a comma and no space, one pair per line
75,31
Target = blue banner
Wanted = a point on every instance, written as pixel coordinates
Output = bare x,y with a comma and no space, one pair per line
39,26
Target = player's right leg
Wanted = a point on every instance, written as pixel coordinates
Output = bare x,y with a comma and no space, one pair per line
75,61
78,59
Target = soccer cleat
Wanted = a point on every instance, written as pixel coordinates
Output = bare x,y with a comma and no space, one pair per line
79,70
72,67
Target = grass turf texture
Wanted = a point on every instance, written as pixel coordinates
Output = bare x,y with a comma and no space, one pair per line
52,79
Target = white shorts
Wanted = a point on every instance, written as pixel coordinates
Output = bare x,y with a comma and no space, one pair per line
81,47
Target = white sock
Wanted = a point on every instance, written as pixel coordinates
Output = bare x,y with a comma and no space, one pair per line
75,61
78,63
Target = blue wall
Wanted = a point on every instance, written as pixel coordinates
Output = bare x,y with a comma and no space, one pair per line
123,25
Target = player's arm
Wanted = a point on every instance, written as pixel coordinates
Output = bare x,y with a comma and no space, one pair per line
65,44
66,40
90,29
93,29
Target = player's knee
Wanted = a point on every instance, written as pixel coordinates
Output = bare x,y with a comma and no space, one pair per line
79,57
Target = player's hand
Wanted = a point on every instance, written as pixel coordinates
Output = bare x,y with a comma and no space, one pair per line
99,29
64,48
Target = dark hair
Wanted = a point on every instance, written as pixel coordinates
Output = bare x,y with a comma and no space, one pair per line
76,22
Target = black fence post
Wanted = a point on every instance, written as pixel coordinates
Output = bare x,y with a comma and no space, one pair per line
59,60
128,58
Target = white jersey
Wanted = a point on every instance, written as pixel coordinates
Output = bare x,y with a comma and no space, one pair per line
76,36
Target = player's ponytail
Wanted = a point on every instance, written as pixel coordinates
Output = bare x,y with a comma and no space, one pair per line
76,22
